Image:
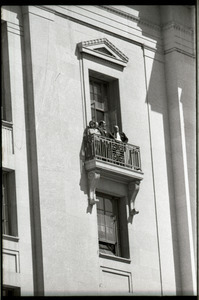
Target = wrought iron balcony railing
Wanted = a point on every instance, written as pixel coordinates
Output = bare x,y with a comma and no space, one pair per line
109,150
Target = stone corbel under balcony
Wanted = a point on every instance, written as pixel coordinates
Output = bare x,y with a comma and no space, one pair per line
133,188
93,178
97,168
113,161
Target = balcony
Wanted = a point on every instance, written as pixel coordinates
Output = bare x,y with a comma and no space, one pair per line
112,158
115,161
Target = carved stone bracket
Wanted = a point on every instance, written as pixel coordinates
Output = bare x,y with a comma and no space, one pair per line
133,188
93,178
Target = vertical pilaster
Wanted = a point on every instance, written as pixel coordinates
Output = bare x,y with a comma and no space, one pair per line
179,73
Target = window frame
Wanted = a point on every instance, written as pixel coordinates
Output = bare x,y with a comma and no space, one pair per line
123,250
5,207
112,110
9,203
104,95
116,222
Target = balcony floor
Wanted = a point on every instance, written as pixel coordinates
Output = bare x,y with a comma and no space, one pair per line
113,171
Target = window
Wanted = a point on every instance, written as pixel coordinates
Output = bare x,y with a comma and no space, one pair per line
112,225
108,226
9,217
104,99
5,209
98,96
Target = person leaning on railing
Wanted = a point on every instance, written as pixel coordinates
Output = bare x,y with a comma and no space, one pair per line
103,130
90,131
119,149
93,128
102,148
118,135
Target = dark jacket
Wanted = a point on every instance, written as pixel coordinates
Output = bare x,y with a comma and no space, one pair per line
105,133
123,137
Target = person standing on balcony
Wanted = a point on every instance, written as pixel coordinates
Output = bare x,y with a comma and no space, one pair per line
119,149
90,142
119,136
92,129
105,143
103,130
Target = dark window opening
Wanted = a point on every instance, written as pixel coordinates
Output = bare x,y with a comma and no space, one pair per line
104,99
112,225
108,224
9,211
99,101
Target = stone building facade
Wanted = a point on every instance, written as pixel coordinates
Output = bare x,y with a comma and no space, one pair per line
95,217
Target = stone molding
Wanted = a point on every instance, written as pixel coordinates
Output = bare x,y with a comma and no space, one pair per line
120,12
177,26
106,42
142,21
135,39
131,17
175,49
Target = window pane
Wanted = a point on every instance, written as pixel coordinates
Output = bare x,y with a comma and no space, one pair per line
100,115
107,224
107,248
97,88
5,215
102,232
100,218
93,114
100,204
91,88
110,229
97,98
108,205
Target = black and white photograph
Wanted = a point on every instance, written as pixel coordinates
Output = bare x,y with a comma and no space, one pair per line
99,150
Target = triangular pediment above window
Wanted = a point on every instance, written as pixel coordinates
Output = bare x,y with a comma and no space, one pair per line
104,49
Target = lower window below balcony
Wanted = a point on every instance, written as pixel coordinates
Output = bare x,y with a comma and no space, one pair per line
112,226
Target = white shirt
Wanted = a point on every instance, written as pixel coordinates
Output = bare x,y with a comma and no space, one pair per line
117,136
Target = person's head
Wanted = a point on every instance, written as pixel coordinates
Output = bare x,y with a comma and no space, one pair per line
92,124
102,124
116,128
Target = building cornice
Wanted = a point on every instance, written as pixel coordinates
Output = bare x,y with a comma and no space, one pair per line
120,12
176,49
177,26
131,17
71,14
142,21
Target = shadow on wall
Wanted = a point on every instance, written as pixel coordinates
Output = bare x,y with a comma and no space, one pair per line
157,101
83,183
